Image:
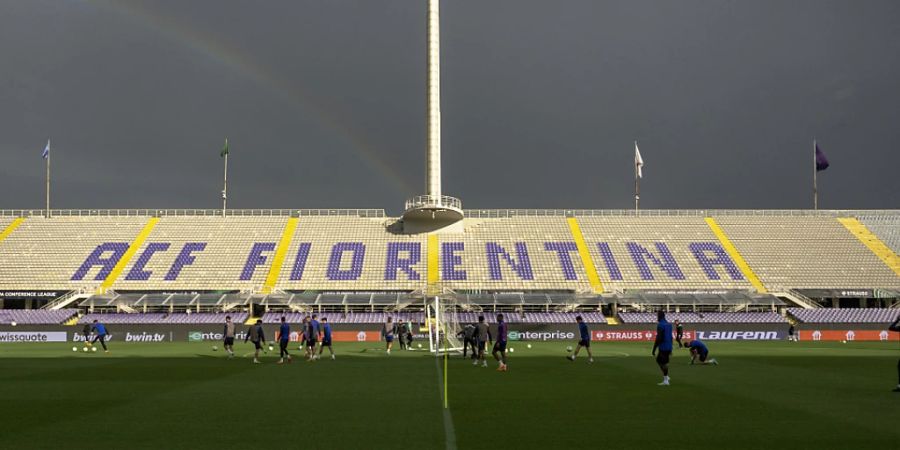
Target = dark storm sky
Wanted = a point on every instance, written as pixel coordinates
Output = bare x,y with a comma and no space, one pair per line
323,102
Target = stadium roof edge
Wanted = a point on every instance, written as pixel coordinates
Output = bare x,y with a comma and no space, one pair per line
471,213
377,213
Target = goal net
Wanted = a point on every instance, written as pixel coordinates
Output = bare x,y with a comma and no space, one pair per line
442,317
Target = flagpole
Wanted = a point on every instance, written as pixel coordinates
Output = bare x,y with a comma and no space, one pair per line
48,179
637,183
225,184
815,179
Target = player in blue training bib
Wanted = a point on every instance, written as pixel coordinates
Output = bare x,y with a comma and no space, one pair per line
326,338
312,337
663,343
100,334
284,338
584,340
500,345
700,352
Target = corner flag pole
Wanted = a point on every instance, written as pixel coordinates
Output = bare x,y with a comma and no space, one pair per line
815,178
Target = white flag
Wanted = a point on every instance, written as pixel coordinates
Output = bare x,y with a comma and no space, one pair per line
638,161
46,153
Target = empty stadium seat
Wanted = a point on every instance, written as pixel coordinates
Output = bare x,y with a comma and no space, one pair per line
806,253
36,316
848,315
886,227
710,317
210,253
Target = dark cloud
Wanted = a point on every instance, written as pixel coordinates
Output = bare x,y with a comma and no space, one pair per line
323,102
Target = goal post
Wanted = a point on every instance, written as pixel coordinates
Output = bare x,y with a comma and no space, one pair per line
442,318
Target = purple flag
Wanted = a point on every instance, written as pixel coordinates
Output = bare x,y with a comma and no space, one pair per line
821,160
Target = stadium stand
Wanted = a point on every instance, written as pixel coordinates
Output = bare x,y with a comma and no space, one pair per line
886,227
225,245
124,318
333,317
725,299
358,237
5,221
347,318
847,315
43,254
163,318
634,245
500,251
713,317
491,254
806,252
36,316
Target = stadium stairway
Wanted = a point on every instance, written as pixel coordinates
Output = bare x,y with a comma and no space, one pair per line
71,321
612,321
251,320
798,299
66,299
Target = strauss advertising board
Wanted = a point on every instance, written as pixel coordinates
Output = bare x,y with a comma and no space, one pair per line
633,335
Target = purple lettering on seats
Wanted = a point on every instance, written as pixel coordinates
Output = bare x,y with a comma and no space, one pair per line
300,261
184,258
395,262
96,259
720,257
522,266
450,260
137,272
335,272
256,258
563,251
611,265
640,255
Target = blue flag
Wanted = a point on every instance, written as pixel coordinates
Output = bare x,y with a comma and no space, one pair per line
46,153
821,160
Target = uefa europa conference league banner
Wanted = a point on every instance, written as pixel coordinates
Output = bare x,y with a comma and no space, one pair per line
372,333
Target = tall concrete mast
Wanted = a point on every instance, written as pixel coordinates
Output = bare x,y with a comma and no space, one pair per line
433,205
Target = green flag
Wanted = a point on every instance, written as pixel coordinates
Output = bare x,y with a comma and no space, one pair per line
224,149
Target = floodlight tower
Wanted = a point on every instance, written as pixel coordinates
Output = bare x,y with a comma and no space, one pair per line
433,206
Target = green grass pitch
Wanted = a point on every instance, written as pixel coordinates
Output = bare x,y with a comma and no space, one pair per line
185,395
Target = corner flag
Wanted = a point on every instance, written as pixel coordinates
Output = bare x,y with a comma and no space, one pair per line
224,149
46,153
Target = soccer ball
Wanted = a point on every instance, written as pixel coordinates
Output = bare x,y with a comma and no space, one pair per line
93,349
511,349
420,345
215,348
85,349
12,323
843,342
271,348
569,349
529,345
74,349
